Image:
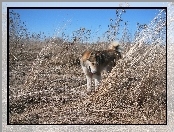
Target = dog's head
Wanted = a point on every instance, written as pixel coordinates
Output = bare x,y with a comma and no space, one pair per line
90,61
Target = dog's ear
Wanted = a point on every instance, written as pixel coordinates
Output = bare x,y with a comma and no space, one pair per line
86,55
92,55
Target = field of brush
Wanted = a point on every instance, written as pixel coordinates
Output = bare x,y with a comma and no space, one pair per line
47,86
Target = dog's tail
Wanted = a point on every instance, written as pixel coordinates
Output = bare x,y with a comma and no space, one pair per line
115,46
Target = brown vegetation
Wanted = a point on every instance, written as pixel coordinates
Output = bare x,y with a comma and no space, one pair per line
47,86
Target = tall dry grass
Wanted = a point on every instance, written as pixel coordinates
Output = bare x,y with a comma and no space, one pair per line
47,85
52,88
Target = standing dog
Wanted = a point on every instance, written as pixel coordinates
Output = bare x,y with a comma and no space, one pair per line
94,62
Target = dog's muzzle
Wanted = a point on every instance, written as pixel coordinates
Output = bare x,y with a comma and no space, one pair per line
92,71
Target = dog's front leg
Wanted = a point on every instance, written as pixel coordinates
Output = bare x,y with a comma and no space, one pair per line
97,78
89,83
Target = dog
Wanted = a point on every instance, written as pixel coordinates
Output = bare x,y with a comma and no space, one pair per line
94,62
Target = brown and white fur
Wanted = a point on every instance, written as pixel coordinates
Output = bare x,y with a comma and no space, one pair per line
94,62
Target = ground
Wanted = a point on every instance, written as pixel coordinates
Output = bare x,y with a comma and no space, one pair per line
47,86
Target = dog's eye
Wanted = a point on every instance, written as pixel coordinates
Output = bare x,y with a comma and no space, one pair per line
93,63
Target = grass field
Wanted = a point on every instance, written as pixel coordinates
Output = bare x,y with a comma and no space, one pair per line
47,86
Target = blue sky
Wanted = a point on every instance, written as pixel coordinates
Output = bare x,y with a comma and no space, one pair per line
55,21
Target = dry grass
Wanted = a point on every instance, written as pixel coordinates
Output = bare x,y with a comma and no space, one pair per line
47,86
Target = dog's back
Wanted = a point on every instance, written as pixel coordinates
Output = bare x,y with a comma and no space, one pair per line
106,59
